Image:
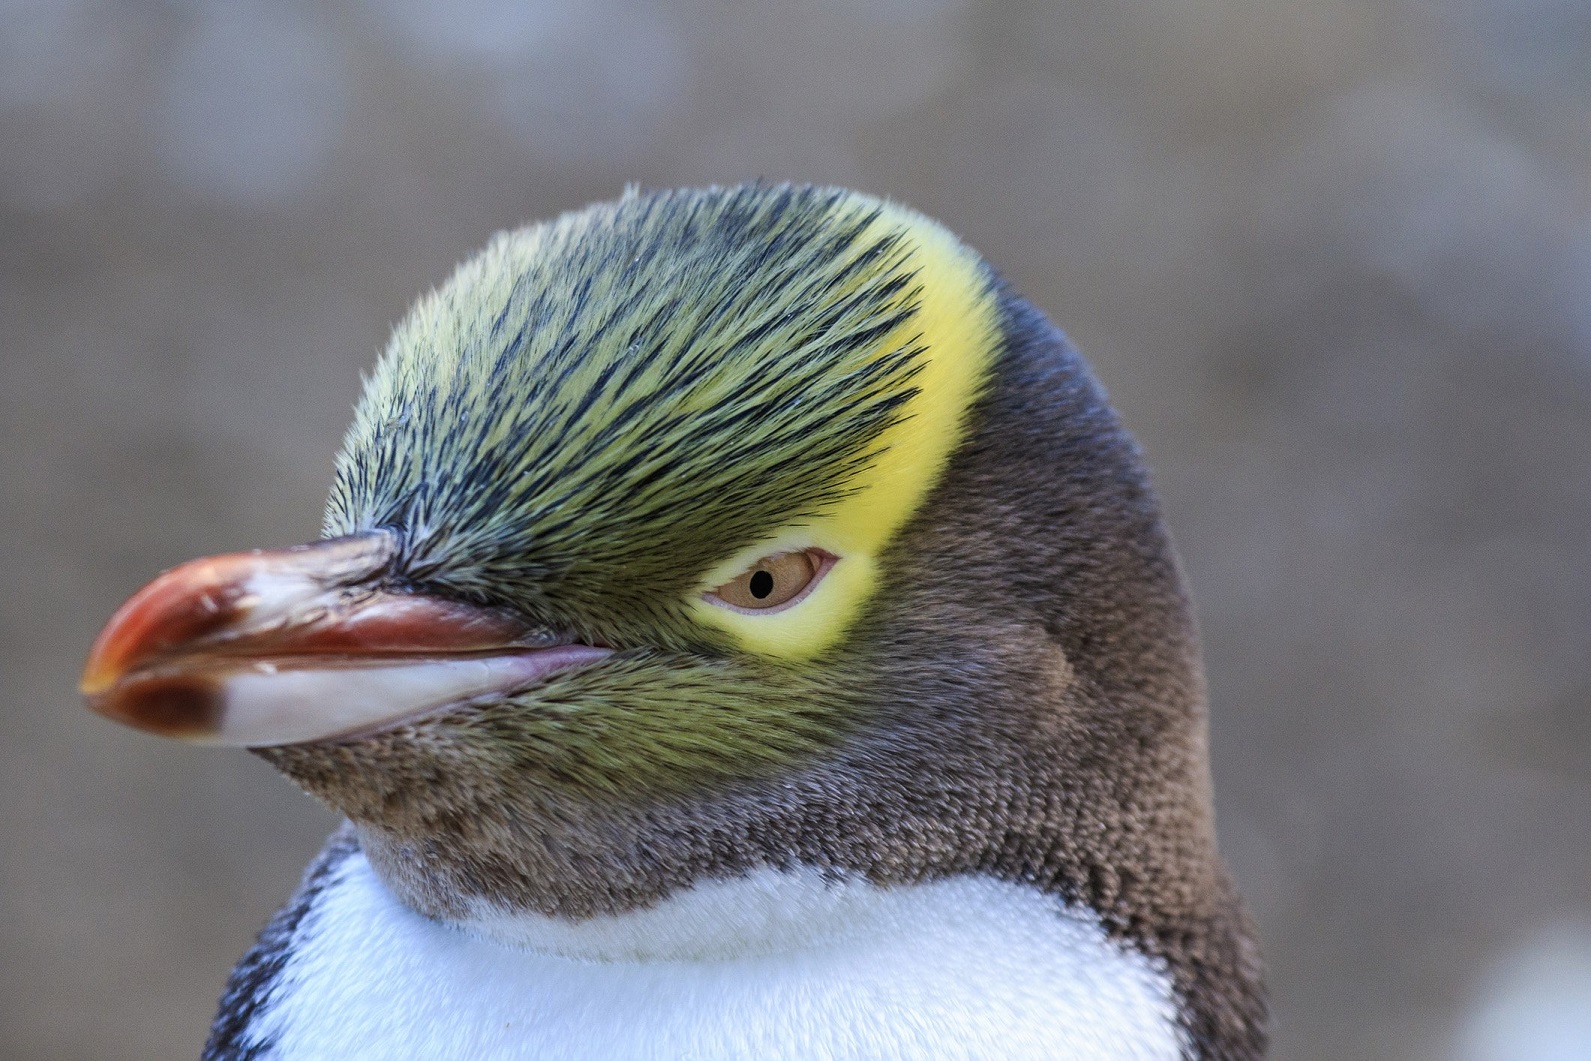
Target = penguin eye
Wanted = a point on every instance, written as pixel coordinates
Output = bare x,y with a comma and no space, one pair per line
773,581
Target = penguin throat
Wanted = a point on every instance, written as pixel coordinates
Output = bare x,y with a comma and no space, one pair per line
766,911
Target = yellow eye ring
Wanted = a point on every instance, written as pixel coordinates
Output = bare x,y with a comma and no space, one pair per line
774,583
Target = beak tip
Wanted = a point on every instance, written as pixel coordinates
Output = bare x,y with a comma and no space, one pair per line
97,677
180,706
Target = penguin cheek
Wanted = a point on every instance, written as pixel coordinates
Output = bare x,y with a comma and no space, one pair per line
653,725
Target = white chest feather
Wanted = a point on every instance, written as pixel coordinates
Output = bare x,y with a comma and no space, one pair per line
775,965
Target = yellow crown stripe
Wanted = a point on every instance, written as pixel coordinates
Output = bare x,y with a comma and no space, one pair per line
957,324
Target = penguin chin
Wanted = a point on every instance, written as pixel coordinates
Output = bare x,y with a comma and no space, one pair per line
449,824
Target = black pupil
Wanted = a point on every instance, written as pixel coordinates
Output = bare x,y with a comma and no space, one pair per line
761,584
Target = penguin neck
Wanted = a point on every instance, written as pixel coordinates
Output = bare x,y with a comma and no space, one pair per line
797,961
764,912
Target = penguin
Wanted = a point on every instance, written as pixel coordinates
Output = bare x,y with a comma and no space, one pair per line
741,628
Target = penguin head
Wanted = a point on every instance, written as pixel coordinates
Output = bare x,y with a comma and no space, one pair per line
686,428
713,530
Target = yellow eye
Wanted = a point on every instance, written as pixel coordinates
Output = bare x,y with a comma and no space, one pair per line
773,581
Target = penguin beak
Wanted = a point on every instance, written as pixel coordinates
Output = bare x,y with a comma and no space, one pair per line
269,648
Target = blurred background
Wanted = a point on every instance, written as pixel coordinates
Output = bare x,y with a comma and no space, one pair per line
1331,257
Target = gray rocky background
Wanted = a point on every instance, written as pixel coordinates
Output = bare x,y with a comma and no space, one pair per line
1332,257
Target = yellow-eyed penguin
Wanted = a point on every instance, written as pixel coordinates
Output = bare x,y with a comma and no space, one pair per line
742,629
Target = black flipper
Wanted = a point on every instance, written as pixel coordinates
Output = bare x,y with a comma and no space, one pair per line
255,976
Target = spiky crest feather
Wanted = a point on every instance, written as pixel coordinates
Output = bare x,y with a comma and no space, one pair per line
594,411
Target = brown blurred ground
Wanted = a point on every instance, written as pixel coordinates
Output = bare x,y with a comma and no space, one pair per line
1332,257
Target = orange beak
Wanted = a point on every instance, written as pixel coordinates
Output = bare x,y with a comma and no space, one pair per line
266,648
